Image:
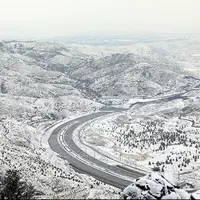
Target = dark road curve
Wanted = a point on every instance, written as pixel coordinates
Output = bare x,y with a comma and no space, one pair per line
104,176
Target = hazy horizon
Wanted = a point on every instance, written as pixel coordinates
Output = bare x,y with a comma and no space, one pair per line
63,18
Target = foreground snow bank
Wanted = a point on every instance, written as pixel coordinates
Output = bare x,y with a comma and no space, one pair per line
156,186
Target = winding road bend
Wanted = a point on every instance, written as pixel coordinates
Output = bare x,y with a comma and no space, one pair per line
61,141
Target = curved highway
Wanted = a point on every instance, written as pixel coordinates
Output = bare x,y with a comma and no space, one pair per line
61,141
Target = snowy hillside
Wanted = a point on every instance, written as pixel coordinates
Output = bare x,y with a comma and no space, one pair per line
43,82
32,98
137,70
161,134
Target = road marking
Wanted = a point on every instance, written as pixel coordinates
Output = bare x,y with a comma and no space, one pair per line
64,145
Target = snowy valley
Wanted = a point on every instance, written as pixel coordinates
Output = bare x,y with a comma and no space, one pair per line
156,85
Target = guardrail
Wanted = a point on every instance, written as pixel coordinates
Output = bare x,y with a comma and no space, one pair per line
123,161
64,145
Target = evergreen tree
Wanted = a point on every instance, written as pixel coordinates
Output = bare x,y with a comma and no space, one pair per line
15,188
149,163
3,87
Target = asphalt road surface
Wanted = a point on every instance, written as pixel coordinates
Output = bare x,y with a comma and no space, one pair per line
111,174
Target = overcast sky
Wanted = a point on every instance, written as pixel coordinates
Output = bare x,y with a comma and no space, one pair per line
49,18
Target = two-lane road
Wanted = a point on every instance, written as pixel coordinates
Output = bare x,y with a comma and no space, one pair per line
113,175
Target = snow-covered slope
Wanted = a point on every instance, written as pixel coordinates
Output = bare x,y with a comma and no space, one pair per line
31,98
42,82
128,71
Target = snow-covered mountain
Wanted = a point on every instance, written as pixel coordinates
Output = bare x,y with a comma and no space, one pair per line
31,98
42,82
137,70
